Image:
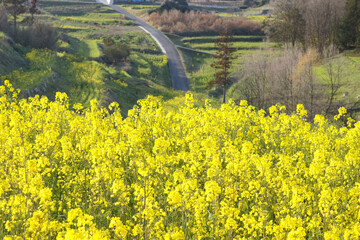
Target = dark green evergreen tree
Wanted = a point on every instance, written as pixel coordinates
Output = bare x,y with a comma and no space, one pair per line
349,31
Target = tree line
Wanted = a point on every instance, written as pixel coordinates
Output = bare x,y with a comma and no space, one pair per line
289,78
192,23
315,23
313,32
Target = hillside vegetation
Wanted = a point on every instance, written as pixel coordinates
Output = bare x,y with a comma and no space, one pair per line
9,58
78,65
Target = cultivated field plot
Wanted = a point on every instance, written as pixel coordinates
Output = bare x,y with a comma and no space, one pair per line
85,25
239,43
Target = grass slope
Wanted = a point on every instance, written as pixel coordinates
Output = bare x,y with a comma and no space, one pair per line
9,58
77,67
349,69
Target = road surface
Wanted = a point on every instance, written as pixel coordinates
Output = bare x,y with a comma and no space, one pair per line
177,72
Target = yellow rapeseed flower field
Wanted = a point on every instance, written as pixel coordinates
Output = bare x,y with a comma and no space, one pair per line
190,173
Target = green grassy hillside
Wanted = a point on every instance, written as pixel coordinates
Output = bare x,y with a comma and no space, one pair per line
78,67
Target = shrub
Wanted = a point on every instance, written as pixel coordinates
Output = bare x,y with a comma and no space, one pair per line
116,51
108,41
39,35
193,23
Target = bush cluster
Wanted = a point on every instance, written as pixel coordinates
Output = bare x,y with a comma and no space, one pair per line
38,35
194,23
116,51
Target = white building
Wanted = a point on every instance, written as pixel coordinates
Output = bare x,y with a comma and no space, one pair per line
108,2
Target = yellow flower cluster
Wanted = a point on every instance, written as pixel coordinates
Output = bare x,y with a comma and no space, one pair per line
189,173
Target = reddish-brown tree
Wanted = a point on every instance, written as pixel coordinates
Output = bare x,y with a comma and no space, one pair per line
33,9
223,60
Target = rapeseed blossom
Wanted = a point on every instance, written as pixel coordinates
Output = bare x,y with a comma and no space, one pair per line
190,173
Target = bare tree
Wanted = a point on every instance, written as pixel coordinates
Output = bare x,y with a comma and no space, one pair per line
322,20
280,76
15,8
254,82
334,70
314,23
286,78
307,88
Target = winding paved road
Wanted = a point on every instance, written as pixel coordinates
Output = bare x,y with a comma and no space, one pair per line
177,72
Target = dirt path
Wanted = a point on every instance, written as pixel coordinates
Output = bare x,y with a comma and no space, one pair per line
177,72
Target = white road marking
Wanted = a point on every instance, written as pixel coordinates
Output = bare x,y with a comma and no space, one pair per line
157,41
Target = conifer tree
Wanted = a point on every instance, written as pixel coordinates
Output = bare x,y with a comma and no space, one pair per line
349,31
223,60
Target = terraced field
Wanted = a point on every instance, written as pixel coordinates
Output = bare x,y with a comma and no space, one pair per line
239,43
